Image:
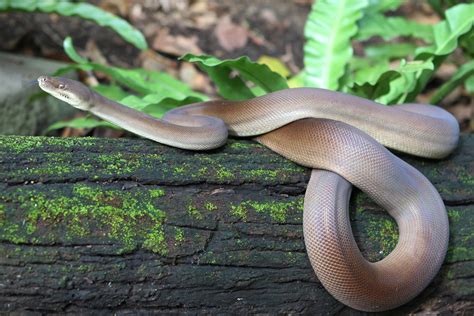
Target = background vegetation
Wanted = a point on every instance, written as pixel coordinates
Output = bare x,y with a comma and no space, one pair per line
396,60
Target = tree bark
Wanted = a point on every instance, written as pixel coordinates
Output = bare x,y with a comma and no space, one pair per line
128,226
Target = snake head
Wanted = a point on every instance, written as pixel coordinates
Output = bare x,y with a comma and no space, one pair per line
70,91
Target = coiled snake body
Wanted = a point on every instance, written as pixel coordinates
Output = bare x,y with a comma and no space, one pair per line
329,132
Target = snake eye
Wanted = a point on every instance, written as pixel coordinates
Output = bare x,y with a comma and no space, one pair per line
61,86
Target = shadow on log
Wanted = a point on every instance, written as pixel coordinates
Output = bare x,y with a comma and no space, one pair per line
128,226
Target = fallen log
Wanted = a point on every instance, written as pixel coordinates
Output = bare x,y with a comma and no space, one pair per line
129,226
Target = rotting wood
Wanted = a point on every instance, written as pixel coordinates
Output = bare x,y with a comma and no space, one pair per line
128,225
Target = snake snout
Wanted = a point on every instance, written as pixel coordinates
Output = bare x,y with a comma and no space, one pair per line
43,79
46,83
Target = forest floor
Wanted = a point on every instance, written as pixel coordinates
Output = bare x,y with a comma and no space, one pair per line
224,28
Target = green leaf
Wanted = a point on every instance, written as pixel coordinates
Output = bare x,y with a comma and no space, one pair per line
230,75
139,80
71,52
275,65
437,7
469,84
328,32
378,85
113,92
391,27
386,85
83,10
155,104
459,20
229,85
371,73
81,122
389,50
403,85
357,63
162,91
166,104
467,42
297,81
464,72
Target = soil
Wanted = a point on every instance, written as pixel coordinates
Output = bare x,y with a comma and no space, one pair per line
42,34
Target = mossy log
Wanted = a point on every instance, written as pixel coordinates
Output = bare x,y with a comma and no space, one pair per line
128,226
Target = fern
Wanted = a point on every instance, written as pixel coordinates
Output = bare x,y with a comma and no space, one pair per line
83,10
328,31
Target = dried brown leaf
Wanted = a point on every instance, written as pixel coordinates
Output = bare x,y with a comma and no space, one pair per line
196,80
229,35
152,61
175,44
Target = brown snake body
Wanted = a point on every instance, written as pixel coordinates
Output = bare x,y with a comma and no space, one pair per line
325,130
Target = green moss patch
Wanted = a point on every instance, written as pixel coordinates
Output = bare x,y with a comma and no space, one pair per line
383,234
131,218
461,240
19,144
277,210
194,212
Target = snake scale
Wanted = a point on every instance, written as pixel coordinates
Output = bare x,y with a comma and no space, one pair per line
342,137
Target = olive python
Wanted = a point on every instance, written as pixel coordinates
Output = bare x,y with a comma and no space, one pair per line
342,138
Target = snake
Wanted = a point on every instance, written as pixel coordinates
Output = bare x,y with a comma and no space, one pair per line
344,139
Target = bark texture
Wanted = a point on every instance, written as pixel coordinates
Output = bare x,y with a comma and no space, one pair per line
128,226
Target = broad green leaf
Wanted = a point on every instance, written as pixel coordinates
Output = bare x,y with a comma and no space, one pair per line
64,70
437,7
389,50
378,85
113,92
357,63
166,104
162,92
139,80
464,72
155,104
83,10
259,74
403,85
275,65
81,122
229,85
459,20
469,84
467,42
371,73
297,81
328,32
387,85
165,84
230,75
71,52
391,27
